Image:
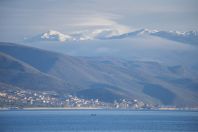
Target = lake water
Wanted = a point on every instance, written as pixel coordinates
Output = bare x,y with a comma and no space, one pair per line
98,121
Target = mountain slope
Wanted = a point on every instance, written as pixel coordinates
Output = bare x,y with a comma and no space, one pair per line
104,78
61,66
20,74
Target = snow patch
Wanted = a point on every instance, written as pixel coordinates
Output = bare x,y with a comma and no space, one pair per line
55,36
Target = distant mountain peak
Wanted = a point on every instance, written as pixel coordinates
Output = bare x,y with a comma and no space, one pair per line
190,37
146,31
55,36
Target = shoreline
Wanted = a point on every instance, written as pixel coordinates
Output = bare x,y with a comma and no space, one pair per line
60,108
51,108
91,108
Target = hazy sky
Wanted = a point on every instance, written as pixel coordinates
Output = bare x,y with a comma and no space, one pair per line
20,18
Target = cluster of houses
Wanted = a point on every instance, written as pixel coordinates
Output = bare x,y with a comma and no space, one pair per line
23,99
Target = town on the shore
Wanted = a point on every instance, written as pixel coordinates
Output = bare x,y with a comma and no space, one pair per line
22,99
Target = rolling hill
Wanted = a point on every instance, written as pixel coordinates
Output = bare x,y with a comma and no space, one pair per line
104,78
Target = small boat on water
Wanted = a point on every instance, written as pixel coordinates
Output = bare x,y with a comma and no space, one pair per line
93,114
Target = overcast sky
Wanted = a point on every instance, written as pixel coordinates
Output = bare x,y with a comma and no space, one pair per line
21,18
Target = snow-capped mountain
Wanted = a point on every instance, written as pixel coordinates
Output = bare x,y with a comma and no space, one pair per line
55,36
135,33
94,34
50,35
190,37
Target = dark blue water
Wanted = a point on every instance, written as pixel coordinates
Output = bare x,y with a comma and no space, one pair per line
98,120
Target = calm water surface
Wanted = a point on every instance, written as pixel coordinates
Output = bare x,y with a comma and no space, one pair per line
98,120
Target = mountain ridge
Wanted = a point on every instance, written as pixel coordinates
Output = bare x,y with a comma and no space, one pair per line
190,37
